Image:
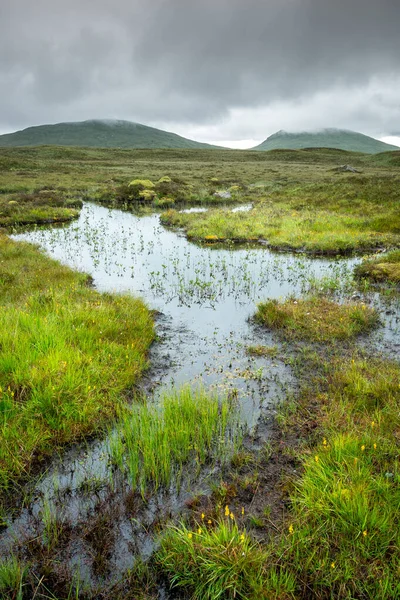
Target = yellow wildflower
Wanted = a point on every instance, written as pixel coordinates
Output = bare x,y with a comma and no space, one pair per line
227,511
362,448
202,516
232,516
365,533
316,458
190,535
291,528
242,537
333,565
374,446
199,530
209,521
242,510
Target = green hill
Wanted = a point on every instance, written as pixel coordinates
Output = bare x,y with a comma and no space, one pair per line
98,134
327,138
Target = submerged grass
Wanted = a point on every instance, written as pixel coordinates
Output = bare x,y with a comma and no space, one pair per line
68,354
383,268
155,442
317,318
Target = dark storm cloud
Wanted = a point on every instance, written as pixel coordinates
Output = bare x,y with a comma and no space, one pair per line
184,61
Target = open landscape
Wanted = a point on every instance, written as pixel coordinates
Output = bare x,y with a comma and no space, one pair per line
200,378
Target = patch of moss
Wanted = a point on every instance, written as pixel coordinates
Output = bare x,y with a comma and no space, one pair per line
317,318
383,268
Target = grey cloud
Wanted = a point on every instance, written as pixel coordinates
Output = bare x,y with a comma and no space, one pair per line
194,62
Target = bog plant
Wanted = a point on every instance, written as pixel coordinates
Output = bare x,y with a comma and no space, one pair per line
219,561
382,268
342,536
317,318
68,353
188,428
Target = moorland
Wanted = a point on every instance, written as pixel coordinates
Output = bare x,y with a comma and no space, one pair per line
302,505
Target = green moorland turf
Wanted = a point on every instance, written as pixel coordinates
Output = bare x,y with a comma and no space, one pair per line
300,199
338,215
41,207
340,536
317,319
382,268
68,353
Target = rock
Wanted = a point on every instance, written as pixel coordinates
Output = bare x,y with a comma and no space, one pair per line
346,168
225,195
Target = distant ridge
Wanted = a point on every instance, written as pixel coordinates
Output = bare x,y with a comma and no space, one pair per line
99,134
341,139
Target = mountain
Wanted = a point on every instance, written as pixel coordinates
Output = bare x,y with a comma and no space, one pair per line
99,134
326,138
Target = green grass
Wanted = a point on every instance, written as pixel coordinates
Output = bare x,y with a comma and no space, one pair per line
12,574
68,355
45,206
155,442
334,216
342,538
270,351
317,318
220,562
383,268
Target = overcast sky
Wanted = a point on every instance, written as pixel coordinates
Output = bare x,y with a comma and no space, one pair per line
226,71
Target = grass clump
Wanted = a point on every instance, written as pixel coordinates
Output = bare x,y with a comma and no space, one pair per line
45,206
342,536
384,268
12,575
218,562
68,353
270,351
317,318
154,443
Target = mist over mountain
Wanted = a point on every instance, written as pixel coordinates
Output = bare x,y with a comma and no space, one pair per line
99,133
327,138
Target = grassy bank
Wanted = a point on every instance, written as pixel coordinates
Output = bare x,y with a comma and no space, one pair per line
337,216
46,206
339,535
317,319
382,269
68,355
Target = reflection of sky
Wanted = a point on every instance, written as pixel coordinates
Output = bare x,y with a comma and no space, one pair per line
206,294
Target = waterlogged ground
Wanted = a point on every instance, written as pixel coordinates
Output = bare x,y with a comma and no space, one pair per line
205,297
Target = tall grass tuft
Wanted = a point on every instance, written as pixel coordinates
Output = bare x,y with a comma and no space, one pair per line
155,442
220,563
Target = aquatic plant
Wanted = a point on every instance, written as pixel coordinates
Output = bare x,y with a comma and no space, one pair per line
154,443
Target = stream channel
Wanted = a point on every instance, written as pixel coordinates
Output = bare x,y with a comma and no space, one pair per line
205,296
